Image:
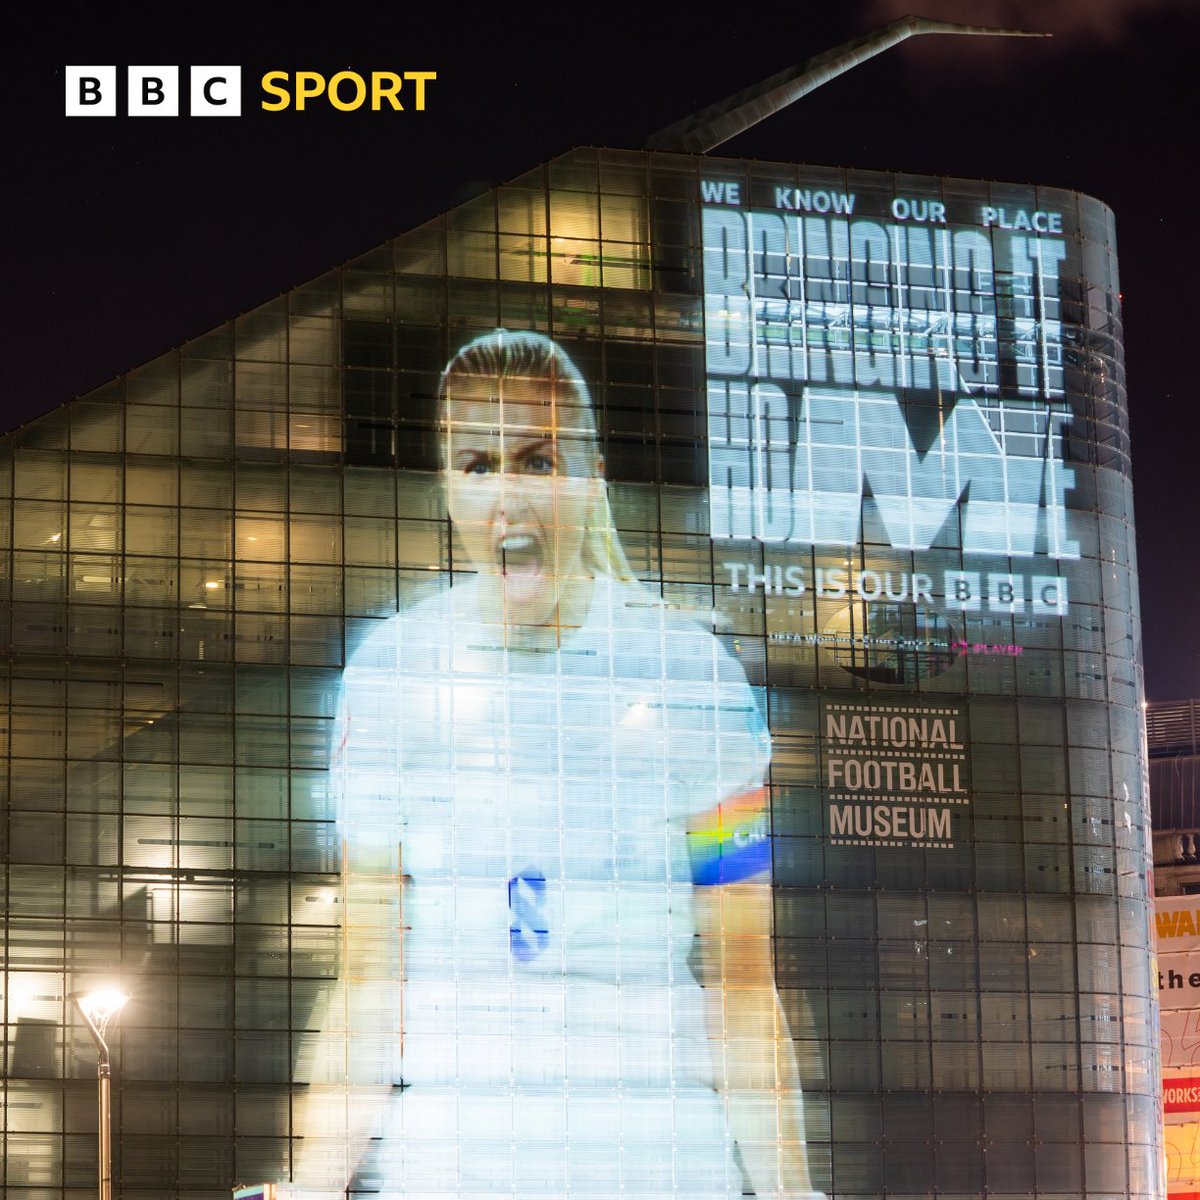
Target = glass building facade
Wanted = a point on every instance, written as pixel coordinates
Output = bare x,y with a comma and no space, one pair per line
866,452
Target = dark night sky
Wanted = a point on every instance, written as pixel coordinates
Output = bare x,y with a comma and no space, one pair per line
125,237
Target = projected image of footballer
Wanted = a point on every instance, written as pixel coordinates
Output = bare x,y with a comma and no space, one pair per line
557,970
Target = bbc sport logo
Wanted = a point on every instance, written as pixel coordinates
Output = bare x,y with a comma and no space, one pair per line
217,91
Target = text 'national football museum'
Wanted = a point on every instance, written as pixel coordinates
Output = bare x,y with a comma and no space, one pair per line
631,688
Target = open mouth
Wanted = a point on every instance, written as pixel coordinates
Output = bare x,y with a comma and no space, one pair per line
521,555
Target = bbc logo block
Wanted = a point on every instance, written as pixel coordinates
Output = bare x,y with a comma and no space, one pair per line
153,91
91,91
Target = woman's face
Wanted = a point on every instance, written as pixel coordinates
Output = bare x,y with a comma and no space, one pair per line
522,479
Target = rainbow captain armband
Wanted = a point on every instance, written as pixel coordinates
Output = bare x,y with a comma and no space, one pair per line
731,842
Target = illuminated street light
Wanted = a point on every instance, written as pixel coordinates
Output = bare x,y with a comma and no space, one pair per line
98,1008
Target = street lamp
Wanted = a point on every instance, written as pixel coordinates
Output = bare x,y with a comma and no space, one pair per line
98,1008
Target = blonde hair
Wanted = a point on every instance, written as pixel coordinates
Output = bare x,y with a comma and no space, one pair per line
521,354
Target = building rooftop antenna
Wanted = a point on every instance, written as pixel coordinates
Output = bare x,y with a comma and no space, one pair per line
715,125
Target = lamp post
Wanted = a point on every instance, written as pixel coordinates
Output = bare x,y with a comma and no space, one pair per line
98,1008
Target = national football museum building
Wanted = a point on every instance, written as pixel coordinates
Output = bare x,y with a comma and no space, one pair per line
629,689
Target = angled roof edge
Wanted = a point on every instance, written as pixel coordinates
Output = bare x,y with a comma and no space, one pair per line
226,327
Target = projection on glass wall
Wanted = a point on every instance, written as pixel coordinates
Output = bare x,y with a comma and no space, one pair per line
585,781
569,776
630,689
885,381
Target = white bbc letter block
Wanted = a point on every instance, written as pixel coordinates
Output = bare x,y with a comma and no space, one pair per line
91,91
216,92
153,92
